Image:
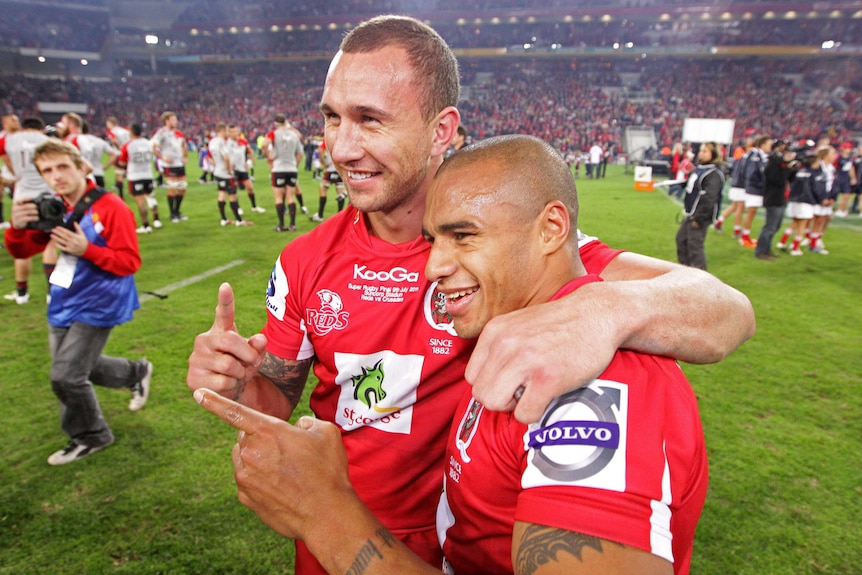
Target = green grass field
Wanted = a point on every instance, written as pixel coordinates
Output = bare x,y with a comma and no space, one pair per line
782,415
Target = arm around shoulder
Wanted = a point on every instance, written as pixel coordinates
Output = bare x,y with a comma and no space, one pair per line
672,310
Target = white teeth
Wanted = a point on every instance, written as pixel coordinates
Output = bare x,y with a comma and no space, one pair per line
460,294
358,176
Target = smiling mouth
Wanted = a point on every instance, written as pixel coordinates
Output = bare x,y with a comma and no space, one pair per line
360,176
453,300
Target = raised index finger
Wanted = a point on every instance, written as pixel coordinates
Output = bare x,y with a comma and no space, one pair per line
225,314
240,416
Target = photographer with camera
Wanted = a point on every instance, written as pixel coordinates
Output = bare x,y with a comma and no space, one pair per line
16,150
92,290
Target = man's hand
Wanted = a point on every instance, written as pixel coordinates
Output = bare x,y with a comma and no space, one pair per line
290,476
223,360
71,242
534,348
23,212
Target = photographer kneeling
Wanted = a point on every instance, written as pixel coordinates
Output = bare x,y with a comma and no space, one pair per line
92,290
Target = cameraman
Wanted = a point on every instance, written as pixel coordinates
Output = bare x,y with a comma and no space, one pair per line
92,290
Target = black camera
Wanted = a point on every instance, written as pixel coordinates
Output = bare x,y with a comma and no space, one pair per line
52,212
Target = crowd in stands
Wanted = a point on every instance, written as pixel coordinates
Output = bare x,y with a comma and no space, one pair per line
545,34
86,28
209,11
568,103
54,27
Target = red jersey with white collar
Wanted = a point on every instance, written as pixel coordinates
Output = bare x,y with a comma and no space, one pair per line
389,362
622,459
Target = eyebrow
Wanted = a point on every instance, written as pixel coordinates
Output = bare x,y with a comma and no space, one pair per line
458,225
358,111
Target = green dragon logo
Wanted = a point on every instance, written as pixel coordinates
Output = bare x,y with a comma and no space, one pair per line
368,384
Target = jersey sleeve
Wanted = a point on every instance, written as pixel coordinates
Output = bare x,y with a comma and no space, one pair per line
622,459
285,328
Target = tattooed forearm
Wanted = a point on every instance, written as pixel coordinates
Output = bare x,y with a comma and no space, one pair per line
540,545
387,537
289,376
366,553
369,551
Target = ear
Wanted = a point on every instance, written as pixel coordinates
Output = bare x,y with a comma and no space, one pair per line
554,227
445,127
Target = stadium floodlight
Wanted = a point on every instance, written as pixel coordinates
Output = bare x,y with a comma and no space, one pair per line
152,40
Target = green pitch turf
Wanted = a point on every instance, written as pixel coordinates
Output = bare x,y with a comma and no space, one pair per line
782,415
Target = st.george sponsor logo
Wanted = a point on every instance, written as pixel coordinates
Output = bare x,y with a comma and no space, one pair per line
377,390
396,274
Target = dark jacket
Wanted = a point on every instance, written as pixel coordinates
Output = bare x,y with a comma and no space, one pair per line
703,194
776,175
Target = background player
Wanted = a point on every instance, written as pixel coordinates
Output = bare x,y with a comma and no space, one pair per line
223,174
118,136
16,151
172,151
241,157
283,151
137,156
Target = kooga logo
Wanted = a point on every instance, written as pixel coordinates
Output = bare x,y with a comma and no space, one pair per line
395,274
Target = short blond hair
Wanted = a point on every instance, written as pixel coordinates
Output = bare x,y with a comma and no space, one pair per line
55,147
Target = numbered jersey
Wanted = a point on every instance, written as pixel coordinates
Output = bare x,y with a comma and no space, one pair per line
18,148
389,362
137,155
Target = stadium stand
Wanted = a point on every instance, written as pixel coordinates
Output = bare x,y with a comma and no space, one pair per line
576,73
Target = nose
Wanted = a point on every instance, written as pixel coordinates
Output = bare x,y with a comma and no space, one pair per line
344,142
441,263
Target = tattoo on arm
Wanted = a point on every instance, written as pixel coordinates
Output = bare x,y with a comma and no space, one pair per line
289,376
369,551
540,545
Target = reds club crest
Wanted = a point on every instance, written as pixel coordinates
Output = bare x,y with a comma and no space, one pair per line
434,306
330,316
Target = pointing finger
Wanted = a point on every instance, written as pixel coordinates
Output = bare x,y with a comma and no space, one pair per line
241,417
224,316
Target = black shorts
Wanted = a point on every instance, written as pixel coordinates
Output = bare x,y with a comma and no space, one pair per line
284,179
331,178
100,181
226,185
241,177
141,187
179,172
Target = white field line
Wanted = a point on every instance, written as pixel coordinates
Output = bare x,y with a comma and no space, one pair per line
188,281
